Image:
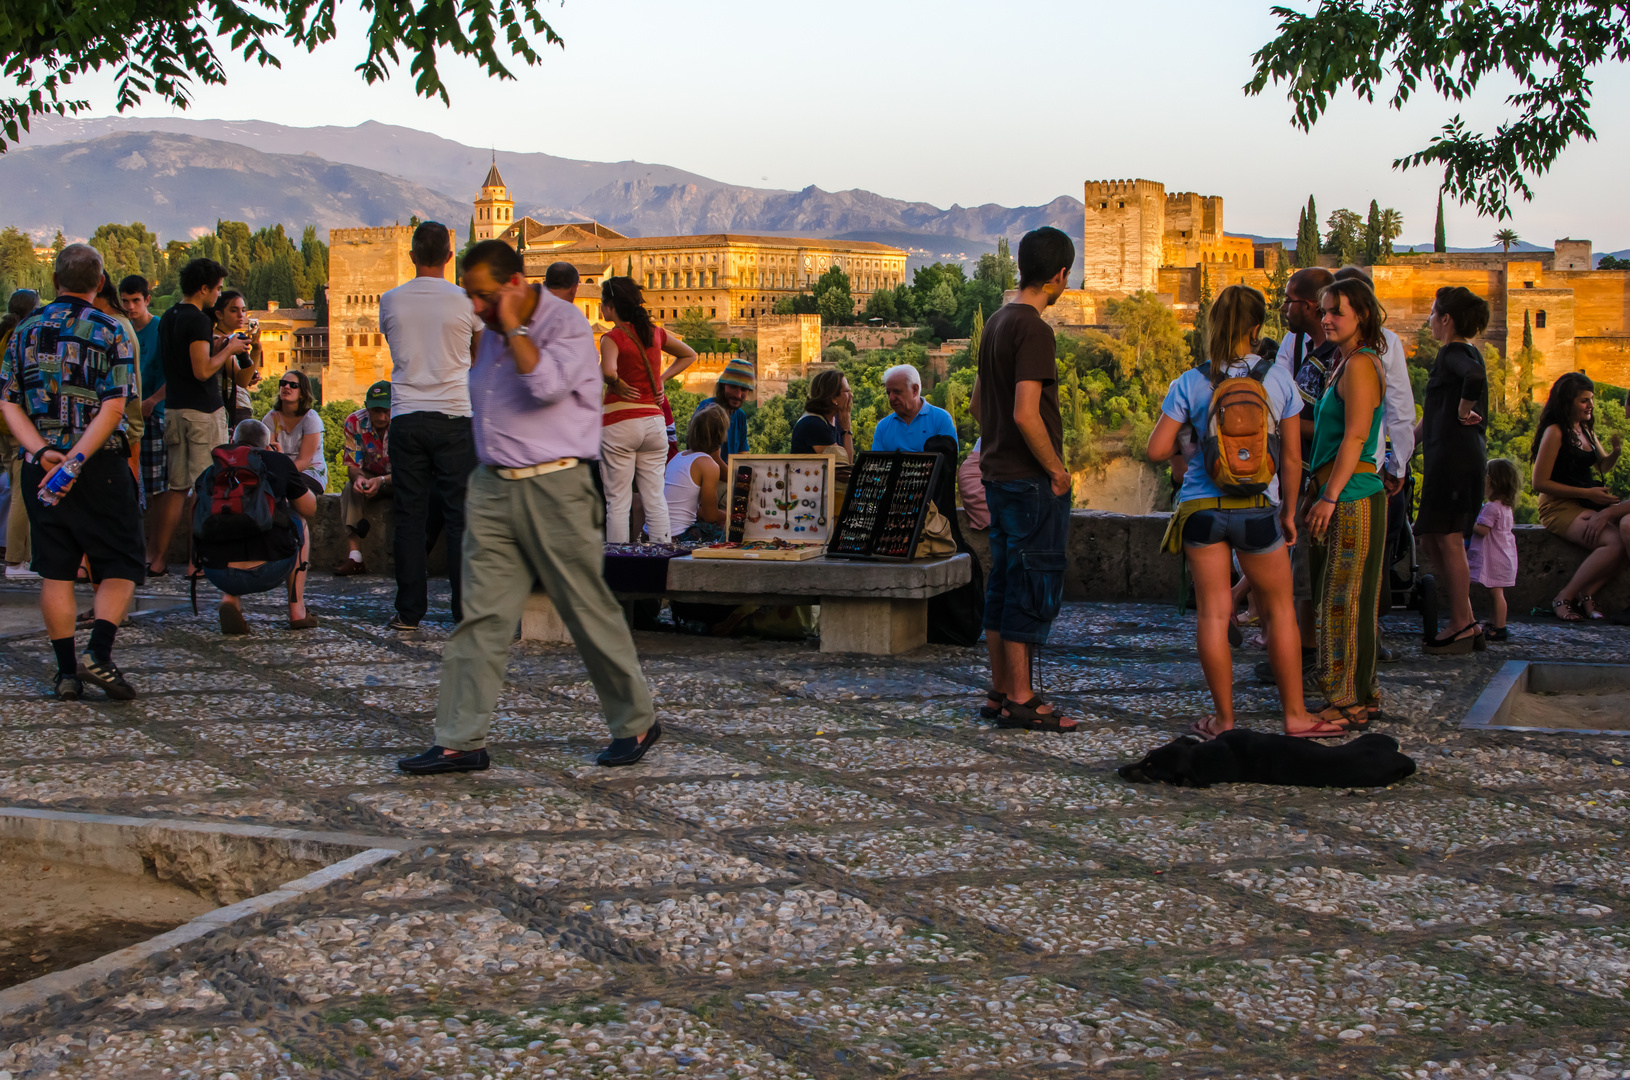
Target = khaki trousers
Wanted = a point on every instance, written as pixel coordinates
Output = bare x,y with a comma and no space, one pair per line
354,504
546,528
18,547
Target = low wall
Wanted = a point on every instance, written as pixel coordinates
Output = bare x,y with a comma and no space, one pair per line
328,540
1117,557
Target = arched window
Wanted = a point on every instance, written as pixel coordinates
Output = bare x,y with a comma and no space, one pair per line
1539,320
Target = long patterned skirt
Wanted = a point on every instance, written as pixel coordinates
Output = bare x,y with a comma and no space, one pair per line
1346,572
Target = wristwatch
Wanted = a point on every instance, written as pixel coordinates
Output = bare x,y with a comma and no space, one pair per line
519,331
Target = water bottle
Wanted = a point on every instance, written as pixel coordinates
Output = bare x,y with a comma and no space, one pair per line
57,486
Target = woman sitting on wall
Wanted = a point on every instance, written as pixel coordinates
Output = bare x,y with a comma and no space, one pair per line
691,484
297,428
1573,503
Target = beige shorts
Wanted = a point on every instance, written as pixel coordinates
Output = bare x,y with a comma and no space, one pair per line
189,436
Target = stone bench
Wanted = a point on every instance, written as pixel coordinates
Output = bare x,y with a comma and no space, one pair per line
875,608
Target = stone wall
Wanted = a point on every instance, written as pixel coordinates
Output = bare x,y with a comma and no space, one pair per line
1123,234
1117,557
867,337
328,541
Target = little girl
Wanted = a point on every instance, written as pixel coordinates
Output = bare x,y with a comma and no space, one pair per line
1493,552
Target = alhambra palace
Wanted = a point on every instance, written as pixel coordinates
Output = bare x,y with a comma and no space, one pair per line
1136,237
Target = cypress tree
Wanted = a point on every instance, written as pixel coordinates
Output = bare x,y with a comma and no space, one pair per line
1372,235
1527,330
1440,241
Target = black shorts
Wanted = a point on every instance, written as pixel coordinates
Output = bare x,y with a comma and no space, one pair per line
100,518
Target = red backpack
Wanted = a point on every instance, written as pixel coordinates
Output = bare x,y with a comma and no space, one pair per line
234,497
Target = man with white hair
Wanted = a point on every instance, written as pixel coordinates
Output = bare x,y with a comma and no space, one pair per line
914,421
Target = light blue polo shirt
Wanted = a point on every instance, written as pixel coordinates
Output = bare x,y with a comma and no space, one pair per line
893,433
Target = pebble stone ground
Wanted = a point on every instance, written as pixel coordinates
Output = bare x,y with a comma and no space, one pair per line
829,869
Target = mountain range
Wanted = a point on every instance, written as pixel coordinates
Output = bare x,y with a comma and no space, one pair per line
178,175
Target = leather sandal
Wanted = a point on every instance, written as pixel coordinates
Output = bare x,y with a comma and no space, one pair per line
1025,717
1583,599
1563,610
987,711
1453,644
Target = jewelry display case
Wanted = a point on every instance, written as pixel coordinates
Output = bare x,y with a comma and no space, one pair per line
779,507
885,506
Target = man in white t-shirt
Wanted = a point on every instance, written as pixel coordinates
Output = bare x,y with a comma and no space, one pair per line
431,328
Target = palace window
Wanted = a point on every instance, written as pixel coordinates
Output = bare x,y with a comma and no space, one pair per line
1539,320
647,281
715,279
378,340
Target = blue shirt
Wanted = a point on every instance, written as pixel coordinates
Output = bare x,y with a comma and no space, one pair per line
736,441
1189,400
893,433
152,364
62,364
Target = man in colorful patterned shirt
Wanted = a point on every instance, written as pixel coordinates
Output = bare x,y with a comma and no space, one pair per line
65,379
367,470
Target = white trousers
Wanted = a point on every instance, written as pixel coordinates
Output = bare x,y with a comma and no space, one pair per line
629,449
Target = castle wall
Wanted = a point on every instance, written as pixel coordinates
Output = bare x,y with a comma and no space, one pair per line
1605,358
363,264
1123,235
787,345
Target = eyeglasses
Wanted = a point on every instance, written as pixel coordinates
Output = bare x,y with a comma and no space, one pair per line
286,385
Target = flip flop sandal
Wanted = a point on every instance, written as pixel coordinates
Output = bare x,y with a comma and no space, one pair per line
1315,733
1349,718
1024,717
1585,598
1563,611
1202,727
985,710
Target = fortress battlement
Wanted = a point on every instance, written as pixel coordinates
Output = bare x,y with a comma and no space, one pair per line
365,235
1105,188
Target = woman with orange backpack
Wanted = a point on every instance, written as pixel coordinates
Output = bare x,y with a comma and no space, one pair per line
1232,425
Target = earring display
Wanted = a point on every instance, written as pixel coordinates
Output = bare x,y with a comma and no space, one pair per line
781,508
885,507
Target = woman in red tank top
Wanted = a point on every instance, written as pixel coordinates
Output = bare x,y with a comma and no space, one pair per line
633,434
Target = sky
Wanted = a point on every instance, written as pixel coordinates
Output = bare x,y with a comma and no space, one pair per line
950,102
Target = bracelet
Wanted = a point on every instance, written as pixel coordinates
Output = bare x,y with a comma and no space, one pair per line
1328,499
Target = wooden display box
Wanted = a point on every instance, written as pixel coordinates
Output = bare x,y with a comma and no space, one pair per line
800,511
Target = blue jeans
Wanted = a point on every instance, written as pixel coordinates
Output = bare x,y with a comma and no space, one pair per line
263,578
1028,529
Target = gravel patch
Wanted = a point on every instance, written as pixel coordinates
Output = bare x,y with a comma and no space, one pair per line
746,804
417,701
526,809
334,770
871,755
1092,915
1388,902
53,712
1169,841
1352,994
557,726
1585,1063
188,990
1587,869
1009,792
156,658
354,676
1597,805
569,1043
1017,1024
308,736
1449,826
336,650
620,864
1596,961
169,1053
1513,767
254,809
415,886
177,682
760,930
917,851
668,689
476,949
78,742
211,707
49,783
772,720
1090,746
663,760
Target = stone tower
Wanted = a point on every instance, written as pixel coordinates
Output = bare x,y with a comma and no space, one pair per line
1125,228
494,210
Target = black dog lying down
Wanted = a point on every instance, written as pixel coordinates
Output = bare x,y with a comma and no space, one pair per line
1255,757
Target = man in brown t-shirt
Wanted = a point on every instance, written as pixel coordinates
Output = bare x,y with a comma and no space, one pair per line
1015,400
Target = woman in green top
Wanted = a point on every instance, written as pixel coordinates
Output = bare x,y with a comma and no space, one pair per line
1348,522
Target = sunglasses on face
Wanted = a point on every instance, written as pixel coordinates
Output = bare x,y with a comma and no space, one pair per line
289,385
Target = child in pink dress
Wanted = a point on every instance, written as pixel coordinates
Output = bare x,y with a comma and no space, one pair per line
1493,551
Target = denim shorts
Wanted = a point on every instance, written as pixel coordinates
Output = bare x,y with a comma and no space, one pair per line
1028,529
1253,531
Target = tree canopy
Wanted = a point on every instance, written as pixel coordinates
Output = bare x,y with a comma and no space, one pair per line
165,47
1549,47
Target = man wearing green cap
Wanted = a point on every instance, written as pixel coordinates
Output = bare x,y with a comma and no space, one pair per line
367,470
735,383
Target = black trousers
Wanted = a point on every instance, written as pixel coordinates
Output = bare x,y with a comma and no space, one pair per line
430,453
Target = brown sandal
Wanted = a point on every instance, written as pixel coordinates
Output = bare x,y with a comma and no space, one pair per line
1025,717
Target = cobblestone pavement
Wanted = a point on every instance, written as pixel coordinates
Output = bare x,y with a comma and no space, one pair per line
828,869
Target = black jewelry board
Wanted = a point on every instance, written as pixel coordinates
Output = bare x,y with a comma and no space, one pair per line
885,506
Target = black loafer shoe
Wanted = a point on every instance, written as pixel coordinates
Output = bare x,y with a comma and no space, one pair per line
105,677
629,751
438,760
68,687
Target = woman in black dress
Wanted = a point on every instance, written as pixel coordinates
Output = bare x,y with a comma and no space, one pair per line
1451,432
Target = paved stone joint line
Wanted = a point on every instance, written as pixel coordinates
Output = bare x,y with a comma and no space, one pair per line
828,870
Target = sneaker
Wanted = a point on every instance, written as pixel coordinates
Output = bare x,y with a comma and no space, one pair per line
350,567
398,623
21,572
105,677
629,751
438,760
68,687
